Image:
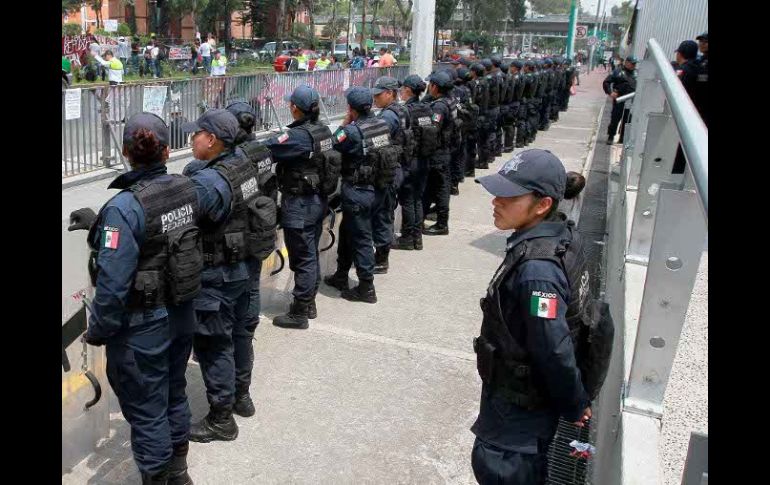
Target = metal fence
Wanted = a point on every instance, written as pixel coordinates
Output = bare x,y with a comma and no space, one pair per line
658,222
94,140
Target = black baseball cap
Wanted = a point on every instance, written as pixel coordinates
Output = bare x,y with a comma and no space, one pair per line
385,83
359,98
632,59
414,82
238,106
463,73
487,63
303,97
688,49
704,37
219,122
147,121
442,79
528,171
496,61
517,64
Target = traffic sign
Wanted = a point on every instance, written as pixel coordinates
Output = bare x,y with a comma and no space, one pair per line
581,31
592,40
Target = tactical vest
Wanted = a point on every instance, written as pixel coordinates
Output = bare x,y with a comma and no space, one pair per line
404,136
494,91
571,71
381,156
481,95
520,85
451,134
510,93
259,155
316,172
425,129
542,84
503,80
504,363
467,110
250,228
170,260
530,86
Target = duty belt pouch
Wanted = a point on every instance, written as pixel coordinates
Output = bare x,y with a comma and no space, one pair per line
331,165
147,289
235,246
428,141
485,359
185,263
263,219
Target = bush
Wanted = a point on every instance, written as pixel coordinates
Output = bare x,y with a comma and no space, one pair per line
124,30
70,29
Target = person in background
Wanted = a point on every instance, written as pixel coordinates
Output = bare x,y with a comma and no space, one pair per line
123,51
135,55
322,63
386,58
205,52
218,64
155,56
335,64
194,56
113,66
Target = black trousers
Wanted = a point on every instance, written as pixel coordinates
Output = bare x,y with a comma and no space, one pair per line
621,116
495,466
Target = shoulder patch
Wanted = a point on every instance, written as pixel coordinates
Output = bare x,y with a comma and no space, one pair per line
436,117
111,237
283,138
543,305
340,135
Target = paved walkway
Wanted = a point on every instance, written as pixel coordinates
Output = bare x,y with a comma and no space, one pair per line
381,393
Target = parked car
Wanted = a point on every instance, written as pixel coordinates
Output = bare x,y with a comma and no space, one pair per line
280,63
268,50
395,49
340,50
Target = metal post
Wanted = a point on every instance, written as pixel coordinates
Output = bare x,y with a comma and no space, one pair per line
423,20
106,136
571,29
649,98
671,272
657,161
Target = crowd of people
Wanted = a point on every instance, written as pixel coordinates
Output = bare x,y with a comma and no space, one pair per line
176,259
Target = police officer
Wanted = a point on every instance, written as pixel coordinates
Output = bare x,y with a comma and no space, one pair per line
535,81
439,88
469,116
385,95
688,69
500,78
480,96
558,88
360,133
223,304
243,332
525,351
145,321
620,82
546,94
303,203
701,91
425,132
489,131
518,106
570,78
511,106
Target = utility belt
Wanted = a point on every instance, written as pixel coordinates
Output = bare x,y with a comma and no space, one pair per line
299,183
363,175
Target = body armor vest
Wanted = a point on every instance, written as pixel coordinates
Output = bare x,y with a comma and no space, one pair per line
404,136
424,128
503,362
494,91
520,85
170,260
452,129
320,171
380,156
250,228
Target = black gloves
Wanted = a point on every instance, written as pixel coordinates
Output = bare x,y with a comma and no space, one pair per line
81,219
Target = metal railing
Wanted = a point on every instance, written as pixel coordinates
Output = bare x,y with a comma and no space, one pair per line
657,227
94,140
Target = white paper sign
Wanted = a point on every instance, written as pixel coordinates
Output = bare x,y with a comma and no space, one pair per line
111,25
72,104
153,99
346,80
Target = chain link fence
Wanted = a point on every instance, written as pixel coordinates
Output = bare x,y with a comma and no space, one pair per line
92,137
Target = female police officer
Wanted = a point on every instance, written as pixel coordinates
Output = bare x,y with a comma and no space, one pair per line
303,203
525,354
147,270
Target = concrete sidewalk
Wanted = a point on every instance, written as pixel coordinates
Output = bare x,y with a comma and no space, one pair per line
381,393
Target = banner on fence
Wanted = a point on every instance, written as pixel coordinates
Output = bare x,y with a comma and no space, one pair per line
179,53
75,47
72,99
154,99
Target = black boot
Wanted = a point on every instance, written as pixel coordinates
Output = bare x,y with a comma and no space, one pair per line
296,317
160,478
455,190
243,406
431,215
177,471
363,292
381,259
337,280
218,425
312,311
403,242
437,229
483,165
417,236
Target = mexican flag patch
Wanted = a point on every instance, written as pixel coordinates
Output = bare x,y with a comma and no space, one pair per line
543,304
340,135
111,237
436,117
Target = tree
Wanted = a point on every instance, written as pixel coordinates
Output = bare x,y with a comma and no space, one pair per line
97,6
624,11
518,11
71,29
444,11
550,6
68,6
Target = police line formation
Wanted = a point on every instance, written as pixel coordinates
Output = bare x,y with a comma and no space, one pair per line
176,259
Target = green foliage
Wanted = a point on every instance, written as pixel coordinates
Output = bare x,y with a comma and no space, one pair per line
68,6
444,11
124,29
517,10
624,11
546,7
70,28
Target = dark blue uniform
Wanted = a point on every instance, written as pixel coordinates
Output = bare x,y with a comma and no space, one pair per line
385,200
225,328
511,442
438,165
411,192
457,168
355,234
147,351
301,215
